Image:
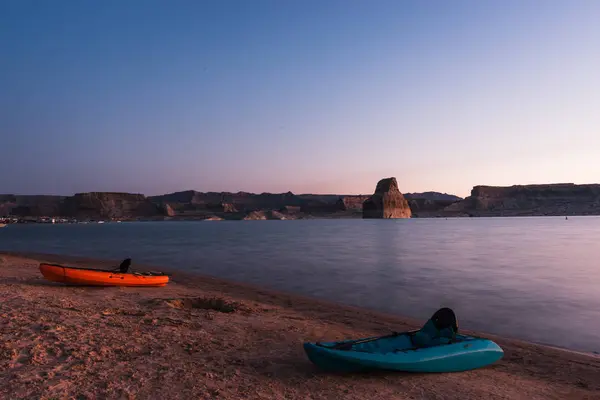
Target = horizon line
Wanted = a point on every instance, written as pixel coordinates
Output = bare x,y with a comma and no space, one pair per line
301,194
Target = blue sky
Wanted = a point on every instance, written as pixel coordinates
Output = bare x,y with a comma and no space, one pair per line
308,96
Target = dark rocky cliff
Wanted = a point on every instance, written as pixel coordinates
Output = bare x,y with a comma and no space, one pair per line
428,208
433,196
229,202
83,206
199,205
103,205
30,205
551,199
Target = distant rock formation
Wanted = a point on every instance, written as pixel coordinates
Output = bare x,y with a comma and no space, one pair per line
198,205
30,205
520,200
319,206
168,210
222,207
228,202
348,203
276,215
386,202
264,215
291,209
425,204
425,208
435,196
103,205
255,215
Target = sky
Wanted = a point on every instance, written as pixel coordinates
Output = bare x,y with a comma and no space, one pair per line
311,96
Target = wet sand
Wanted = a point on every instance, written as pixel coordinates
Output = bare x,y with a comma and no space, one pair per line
59,342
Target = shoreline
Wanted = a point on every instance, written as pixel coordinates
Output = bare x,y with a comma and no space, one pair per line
306,218
261,293
252,353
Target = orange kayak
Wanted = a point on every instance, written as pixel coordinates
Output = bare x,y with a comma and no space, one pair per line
98,277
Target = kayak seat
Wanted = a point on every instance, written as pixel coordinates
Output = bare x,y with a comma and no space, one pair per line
441,328
124,266
444,318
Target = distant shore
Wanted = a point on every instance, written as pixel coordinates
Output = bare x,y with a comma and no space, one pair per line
58,341
484,201
46,221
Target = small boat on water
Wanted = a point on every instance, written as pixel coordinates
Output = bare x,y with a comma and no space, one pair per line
437,347
99,277
2,225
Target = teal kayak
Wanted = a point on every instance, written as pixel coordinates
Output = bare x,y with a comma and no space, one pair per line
430,349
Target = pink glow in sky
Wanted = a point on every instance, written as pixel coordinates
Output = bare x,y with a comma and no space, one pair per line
312,96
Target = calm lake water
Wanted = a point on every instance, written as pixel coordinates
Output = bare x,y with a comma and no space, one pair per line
536,279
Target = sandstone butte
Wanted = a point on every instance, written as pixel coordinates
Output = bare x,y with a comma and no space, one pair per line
386,202
65,342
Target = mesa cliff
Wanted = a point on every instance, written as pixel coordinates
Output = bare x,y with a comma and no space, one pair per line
192,200
192,204
30,205
387,201
83,206
529,200
102,205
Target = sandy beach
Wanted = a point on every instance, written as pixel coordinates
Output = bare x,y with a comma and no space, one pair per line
60,342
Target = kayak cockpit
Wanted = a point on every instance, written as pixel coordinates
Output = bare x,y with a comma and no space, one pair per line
440,329
403,342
